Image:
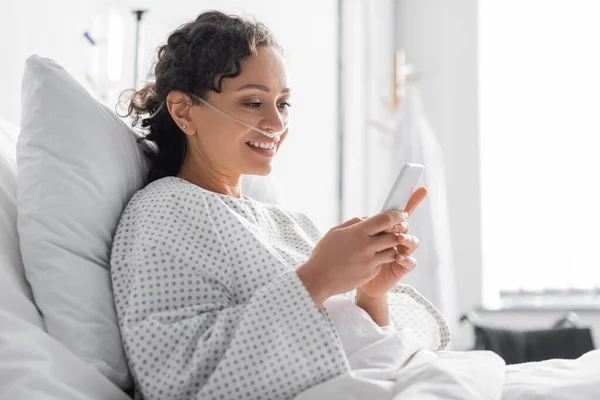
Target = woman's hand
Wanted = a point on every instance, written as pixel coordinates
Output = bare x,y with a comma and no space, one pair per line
394,271
350,255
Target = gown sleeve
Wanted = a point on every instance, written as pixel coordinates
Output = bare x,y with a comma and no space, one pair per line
184,333
408,309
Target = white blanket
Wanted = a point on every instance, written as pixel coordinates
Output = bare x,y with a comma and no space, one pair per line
554,379
389,363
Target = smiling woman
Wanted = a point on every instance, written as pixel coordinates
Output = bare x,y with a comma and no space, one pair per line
220,296
219,107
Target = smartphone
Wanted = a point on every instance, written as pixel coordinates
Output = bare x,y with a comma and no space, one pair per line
403,187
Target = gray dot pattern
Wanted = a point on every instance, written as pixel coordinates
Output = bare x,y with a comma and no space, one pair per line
208,301
408,309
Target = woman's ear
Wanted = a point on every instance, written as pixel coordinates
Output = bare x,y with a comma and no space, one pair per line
179,105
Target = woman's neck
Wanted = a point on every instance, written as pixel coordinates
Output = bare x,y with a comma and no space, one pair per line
215,182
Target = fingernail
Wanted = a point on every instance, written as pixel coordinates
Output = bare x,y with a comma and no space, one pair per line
401,258
404,225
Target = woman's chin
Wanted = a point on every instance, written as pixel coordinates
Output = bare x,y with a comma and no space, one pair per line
261,170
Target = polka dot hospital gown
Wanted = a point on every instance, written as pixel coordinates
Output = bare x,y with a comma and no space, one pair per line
209,304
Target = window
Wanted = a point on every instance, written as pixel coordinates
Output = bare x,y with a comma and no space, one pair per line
539,64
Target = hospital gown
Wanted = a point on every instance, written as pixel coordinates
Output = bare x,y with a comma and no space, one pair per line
209,304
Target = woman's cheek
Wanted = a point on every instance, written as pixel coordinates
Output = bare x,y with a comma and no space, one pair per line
282,138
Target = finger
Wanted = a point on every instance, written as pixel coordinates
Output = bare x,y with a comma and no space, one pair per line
405,251
384,241
402,266
402,227
350,222
411,243
415,198
385,256
380,222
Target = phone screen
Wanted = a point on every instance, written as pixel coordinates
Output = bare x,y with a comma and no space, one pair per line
403,187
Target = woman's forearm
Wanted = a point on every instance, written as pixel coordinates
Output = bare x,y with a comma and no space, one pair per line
376,307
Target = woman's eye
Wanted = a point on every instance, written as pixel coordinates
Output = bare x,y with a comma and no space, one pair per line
257,104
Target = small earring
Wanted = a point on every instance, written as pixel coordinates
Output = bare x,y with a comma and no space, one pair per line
183,126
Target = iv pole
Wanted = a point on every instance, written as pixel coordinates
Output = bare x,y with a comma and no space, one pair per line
138,17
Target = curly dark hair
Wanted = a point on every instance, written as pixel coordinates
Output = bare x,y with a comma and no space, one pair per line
196,53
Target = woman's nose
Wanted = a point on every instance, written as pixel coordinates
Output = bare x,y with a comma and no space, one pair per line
274,120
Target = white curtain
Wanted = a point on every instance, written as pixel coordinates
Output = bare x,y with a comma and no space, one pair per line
414,141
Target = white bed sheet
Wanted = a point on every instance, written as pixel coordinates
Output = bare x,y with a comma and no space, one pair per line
35,366
396,363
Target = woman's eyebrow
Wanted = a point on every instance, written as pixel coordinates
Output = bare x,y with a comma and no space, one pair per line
260,87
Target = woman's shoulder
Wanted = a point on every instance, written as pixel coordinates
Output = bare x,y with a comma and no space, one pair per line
166,199
164,210
172,198
158,194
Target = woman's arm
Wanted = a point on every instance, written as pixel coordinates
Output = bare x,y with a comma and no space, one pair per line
187,334
376,307
273,347
404,307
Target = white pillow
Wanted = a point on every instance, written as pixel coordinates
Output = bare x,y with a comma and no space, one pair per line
15,293
78,166
33,365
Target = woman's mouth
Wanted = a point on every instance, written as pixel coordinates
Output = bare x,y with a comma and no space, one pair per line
263,148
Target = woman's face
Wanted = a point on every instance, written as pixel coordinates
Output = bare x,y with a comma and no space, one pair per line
260,97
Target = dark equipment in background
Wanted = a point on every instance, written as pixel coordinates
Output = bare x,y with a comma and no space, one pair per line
565,340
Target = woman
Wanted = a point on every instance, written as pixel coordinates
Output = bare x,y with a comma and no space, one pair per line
219,295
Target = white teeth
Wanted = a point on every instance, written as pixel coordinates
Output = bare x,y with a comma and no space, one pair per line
262,145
